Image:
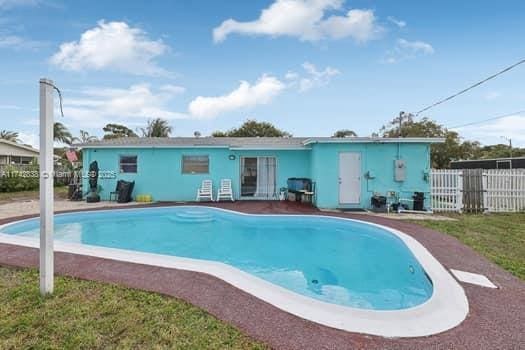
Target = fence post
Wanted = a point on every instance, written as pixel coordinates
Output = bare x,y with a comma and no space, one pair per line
459,179
484,188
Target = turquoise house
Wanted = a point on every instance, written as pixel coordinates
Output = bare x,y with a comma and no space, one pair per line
346,172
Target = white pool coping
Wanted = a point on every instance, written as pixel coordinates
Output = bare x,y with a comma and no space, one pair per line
445,309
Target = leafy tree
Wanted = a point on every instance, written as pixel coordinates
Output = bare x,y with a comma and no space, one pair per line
9,135
253,128
84,137
61,133
344,133
115,131
500,151
157,128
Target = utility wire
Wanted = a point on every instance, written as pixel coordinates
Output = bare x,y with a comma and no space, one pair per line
59,96
470,87
487,120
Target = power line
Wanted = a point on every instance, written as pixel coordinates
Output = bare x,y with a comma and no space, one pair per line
488,119
470,87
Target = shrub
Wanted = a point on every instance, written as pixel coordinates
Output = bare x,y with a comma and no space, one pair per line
14,179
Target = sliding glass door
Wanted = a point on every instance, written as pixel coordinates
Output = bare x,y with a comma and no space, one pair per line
258,177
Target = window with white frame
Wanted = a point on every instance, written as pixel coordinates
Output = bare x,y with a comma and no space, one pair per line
195,164
128,164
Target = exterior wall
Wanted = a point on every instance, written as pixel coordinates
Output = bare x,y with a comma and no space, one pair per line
378,159
159,170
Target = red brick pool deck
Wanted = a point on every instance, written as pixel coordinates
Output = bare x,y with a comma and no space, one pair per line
496,318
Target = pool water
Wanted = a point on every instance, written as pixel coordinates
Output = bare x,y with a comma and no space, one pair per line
343,262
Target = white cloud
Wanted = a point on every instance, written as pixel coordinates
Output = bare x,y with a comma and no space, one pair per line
512,127
95,107
405,49
8,41
261,92
306,20
245,96
416,46
314,77
28,138
112,45
397,22
173,89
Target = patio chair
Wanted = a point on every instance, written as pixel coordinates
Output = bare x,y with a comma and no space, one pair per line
123,191
205,191
225,191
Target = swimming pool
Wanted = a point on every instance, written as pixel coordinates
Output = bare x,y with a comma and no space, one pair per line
345,263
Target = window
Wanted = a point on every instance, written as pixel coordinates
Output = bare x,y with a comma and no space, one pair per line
128,164
21,160
503,164
195,164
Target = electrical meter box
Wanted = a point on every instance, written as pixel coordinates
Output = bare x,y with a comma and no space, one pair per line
399,170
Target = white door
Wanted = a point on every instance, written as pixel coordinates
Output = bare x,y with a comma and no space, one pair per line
349,178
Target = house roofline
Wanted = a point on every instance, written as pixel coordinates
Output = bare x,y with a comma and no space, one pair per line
486,159
375,140
27,148
300,144
270,148
85,145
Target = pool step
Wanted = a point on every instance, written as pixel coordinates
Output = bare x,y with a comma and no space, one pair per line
192,217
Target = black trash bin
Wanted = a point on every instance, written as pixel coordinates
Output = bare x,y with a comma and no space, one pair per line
419,201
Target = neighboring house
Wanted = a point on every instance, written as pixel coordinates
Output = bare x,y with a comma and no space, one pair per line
15,153
347,171
495,163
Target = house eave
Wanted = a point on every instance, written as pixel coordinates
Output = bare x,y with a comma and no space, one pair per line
86,146
376,140
270,148
24,147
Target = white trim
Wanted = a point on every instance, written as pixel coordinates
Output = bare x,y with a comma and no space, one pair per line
270,148
375,140
262,148
86,146
445,309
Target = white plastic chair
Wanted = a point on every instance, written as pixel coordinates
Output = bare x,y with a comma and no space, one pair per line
206,191
225,191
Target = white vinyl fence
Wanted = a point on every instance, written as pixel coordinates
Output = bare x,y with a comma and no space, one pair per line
446,190
504,190
501,190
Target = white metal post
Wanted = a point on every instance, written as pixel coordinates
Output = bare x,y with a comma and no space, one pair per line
46,186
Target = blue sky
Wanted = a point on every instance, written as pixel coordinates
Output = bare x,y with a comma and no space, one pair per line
309,66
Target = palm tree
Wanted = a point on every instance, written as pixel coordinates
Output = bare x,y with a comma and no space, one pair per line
9,135
61,133
84,137
157,128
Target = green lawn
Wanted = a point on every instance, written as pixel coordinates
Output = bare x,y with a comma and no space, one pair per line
8,197
499,237
91,315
